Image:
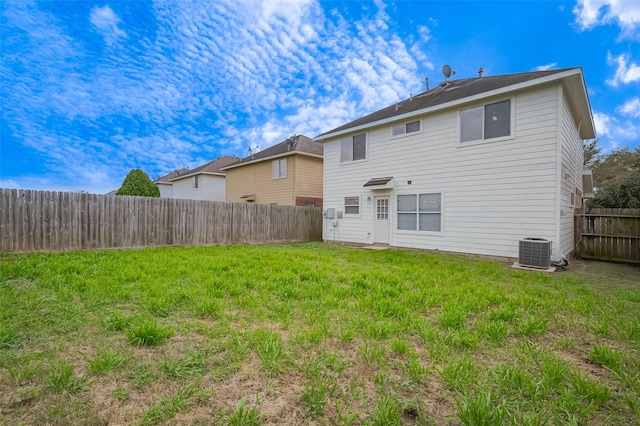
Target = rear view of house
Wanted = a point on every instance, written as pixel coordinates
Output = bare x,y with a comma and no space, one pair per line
473,166
288,173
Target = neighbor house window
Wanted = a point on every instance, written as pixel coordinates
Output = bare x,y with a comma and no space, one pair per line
404,128
486,122
353,148
352,205
195,182
279,168
420,212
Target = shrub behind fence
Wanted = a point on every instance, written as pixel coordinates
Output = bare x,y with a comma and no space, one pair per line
58,221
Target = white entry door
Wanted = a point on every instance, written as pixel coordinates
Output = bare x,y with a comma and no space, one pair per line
381,220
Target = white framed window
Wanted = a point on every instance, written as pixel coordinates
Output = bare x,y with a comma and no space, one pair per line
420,212
195,182
352,205
405,128
353,148
485,122
279,168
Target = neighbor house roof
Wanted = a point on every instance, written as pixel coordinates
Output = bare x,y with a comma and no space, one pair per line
166,179
212,167
304,146
455,92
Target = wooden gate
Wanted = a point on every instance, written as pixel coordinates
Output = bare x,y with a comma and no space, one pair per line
608,234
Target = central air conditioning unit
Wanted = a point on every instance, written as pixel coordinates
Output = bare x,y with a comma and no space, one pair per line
535,253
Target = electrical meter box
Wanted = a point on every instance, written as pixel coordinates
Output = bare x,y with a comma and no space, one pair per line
330,213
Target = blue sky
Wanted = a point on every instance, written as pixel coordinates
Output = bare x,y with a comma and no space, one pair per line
90,90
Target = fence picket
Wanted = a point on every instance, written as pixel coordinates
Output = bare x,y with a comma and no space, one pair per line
608,234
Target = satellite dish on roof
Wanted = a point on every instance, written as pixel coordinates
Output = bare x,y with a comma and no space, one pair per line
447,71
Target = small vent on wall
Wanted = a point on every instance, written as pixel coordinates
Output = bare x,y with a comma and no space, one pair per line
535,253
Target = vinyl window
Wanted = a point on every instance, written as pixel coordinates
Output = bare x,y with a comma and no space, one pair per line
279,168
352,205
195,182
486,122
353,148
420,212
404,128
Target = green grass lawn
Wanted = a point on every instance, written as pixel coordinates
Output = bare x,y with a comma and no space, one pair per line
311,333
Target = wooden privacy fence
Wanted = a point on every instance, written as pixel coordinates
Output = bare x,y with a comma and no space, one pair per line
58,221
608,234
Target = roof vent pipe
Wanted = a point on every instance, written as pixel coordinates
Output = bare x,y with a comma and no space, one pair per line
480,71
426,80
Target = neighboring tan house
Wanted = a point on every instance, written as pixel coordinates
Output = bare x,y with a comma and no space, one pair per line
206,182
474,165
289,173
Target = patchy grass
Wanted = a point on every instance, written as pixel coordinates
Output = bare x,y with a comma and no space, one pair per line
311,333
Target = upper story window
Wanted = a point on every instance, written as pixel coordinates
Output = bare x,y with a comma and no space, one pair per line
404,128
353,148
486,122
195,182
279,168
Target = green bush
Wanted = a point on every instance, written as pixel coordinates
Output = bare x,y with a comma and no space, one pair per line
137,183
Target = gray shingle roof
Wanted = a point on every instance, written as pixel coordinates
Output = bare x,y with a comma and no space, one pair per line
305,145
452,90
214,166
173,174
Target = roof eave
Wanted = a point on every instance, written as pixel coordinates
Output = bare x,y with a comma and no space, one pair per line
578,89
446,105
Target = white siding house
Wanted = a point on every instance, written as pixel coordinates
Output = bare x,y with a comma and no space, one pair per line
206,182
471,166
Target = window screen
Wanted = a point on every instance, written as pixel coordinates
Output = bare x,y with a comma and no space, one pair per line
359,147
279,168
407,212
352,205
421,212
471,124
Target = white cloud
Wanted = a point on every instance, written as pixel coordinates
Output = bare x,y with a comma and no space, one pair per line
631,108
624,13
603,123
626,72
550,66
206,79
106,21
614,131
424,32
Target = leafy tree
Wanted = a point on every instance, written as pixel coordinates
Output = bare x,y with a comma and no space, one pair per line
617,179
592,153
137,183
